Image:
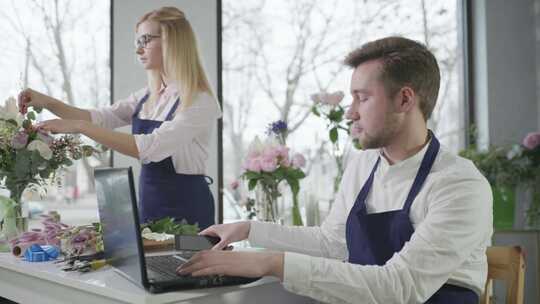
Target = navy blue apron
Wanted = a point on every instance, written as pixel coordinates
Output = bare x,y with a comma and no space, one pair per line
165,193
372,239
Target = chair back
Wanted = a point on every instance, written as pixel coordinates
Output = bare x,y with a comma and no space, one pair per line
506,263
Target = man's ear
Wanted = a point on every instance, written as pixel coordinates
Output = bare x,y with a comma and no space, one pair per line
406,100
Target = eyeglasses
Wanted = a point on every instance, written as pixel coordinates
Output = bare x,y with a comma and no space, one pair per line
142,41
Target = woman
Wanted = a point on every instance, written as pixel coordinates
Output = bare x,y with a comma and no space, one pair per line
172,120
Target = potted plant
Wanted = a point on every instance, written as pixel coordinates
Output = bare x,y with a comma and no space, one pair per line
508,168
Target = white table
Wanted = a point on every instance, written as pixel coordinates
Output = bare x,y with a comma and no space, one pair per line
45,283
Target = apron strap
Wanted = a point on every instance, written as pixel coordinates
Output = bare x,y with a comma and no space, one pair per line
170,115
359,204
140,104
423,171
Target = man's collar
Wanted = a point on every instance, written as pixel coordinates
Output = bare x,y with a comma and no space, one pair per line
412,161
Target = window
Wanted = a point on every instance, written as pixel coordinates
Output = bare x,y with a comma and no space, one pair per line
60,48
277,53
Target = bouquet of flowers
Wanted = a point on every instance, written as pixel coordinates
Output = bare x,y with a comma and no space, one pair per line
29,157
267,165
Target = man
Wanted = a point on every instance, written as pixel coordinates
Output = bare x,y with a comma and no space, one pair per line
411,220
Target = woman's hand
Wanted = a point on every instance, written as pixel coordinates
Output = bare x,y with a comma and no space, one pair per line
61,126
228,233
30,98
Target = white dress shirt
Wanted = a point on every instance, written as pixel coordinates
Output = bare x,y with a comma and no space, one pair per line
186,138
452,217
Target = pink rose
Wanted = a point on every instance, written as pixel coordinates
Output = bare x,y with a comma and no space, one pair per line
20,140
285,162
253,164
234,185
331,99
532,140
334,99
270,152
283,155
269,164
298,160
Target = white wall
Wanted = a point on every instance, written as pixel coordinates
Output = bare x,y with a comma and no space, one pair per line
129,76
537,20
505,54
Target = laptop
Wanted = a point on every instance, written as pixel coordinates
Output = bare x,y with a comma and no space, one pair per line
122,240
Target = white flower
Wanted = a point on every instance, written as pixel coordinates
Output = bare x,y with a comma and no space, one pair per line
255,147
41,147
271,142
10,111
331,99
514,152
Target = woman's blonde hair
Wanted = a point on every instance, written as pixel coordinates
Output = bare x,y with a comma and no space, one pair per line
181,61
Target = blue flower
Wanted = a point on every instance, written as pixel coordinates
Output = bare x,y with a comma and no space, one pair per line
278,127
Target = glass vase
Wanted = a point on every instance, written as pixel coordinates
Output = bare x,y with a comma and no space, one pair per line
14,222
266,204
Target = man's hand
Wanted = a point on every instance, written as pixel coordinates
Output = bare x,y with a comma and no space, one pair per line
234,263
228,233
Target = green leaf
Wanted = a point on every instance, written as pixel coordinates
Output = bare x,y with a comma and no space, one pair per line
336,114
31,115
169,226
357,144
252,175
13,122
252,183
6,206
294,184
26,124
333,133
45,173
87,150
295,173
22,164
315,111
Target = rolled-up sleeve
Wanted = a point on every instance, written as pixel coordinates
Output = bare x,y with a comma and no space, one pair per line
188,127
458,221
118,114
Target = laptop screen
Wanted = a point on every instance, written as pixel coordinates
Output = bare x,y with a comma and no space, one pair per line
118,215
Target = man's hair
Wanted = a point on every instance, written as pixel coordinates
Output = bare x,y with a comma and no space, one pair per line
405,62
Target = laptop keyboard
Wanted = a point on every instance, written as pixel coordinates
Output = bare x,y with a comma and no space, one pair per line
164,266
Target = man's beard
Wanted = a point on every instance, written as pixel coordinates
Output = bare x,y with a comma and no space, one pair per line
383,137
